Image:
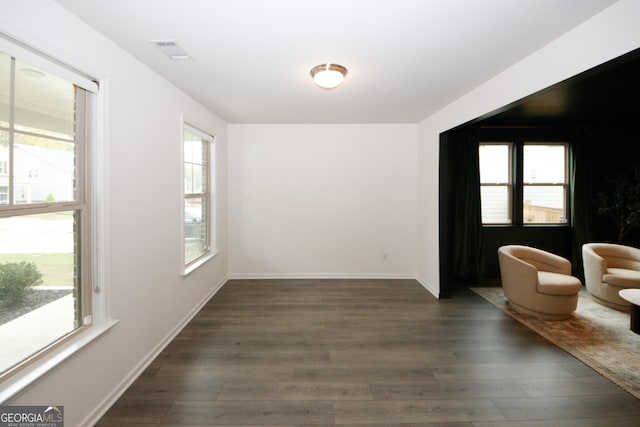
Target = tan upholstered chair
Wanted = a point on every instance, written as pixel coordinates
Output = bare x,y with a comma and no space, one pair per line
537,282
608,269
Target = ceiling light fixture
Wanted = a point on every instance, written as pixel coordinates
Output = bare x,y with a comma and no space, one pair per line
328,76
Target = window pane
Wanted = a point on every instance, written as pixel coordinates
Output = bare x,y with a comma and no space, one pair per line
196,234
5,81
195,164
494,163
38,283
43,170
544,163
188,178
4,167
495,204
197,204
42,299
43,103
197,182
544,204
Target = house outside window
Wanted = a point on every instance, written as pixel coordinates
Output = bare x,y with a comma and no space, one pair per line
198,195
45,218
545,183
496,186
524,183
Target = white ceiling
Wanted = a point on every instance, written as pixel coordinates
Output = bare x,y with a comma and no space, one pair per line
406,58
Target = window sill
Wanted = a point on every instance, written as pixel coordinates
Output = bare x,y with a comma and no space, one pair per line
199,263
32,373
559,225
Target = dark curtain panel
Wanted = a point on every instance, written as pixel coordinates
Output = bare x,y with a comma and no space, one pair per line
580,195
467,255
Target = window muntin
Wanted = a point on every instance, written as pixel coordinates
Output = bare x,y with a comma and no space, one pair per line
545,183
495,182
45,220
197,194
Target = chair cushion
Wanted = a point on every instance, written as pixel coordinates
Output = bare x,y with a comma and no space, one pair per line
557,284
622,278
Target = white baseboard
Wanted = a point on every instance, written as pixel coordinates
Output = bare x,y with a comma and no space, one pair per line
318,276
95,415
435,292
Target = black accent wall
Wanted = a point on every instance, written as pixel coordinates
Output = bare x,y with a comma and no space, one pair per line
603,104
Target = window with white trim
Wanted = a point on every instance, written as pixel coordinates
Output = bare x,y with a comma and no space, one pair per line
45,218
198,195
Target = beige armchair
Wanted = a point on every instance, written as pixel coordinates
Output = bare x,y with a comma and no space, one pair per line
537,282
608,269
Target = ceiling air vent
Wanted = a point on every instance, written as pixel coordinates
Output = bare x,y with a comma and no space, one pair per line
171,49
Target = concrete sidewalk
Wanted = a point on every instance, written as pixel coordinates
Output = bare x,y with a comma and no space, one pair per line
29,333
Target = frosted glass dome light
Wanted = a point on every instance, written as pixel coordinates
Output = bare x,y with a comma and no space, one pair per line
328,76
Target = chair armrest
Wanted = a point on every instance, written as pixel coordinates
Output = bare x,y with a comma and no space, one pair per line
594,265
514,271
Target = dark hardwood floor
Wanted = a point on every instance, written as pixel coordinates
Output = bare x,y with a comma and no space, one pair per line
364,352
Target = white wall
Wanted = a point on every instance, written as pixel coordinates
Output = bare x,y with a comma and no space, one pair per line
611,33
141,128
322,200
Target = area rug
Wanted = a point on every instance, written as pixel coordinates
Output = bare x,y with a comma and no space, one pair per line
596,335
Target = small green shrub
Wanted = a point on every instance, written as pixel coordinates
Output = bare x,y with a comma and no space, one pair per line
17,280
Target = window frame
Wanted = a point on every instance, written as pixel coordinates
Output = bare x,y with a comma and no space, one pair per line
509,184
564,184
209,195
83,226
516,167
95,319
